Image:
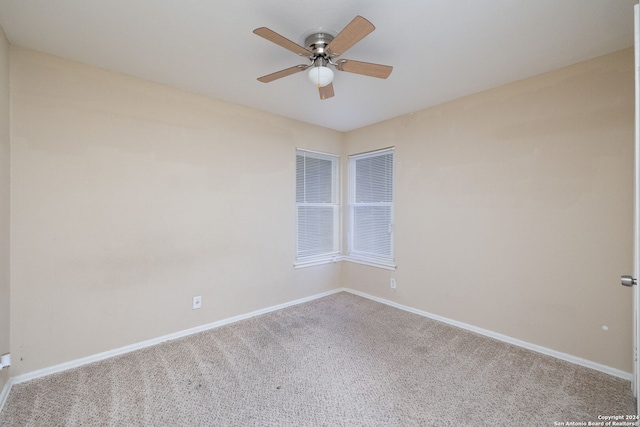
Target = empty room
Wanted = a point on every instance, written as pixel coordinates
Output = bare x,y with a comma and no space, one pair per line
286,213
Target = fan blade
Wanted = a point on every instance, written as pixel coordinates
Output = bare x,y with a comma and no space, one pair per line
276,38
355,31
282,73
365,68
326,91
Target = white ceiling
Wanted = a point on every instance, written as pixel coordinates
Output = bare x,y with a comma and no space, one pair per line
440,49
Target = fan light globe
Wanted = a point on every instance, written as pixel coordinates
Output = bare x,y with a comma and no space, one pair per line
321,76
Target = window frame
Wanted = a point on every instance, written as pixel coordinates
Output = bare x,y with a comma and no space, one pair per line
333,255
363,257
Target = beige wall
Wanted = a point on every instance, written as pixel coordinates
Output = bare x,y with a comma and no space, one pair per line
514,209
4,203
128,198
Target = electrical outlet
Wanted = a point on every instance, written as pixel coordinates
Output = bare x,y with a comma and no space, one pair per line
393,283
5,361
197,302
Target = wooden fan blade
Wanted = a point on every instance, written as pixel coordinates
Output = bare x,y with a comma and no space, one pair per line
276,38
282,73
365,68
326,91
355,31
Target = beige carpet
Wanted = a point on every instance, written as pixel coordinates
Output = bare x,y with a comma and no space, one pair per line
338,361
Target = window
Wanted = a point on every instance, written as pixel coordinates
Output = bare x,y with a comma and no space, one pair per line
371,208
317,207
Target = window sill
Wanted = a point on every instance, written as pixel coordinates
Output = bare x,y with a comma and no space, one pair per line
386,265
316,261
337,258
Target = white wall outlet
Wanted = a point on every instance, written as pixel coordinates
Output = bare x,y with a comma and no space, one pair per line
197,302
5,361
393,283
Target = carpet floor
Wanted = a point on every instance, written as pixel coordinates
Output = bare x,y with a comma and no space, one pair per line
341,360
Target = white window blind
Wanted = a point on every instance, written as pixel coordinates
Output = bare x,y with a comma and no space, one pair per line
371,198
317,207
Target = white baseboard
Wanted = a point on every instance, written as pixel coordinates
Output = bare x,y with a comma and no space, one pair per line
126,349
537,348
4,393
137,346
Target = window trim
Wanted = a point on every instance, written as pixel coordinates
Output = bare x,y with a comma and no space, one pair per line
363,258
334,255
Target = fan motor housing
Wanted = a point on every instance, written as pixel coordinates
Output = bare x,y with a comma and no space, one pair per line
317,43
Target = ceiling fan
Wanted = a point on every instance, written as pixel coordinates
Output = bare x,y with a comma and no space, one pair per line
322,49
